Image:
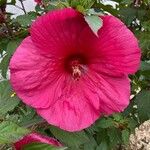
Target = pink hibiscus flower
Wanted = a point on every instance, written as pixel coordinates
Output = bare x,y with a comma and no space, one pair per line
38,1
69,75
35,137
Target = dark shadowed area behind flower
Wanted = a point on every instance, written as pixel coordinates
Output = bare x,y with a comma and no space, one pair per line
71,76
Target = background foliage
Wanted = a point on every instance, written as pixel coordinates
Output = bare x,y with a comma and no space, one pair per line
108,133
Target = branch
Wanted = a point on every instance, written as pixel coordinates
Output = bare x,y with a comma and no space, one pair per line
23,8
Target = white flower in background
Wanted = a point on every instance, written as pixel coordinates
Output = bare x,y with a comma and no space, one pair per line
141,139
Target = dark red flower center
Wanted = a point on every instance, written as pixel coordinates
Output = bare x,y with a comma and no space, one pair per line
76,65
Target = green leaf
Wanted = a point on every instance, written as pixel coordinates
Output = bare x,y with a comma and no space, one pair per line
128,14
127,2
90,145
13,2
94,22
105,123
11,132
51,7
80,9
3,44
132,124
143,104
70,139
8,101
11,47
42,146
4,65
106,8
118,117
146,25
102,135
30,120
102,146
114,136
144,38
125,136
38,8
2,2
86,4
25,20
145,66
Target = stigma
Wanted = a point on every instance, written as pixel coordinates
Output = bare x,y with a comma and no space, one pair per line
76,69
76,66
76,72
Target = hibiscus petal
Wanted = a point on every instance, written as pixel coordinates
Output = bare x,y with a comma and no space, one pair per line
113,92
116,51
73,111
84,101
35,77
118,46
57,32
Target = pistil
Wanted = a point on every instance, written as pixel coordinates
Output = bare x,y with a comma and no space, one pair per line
76,72
76,69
